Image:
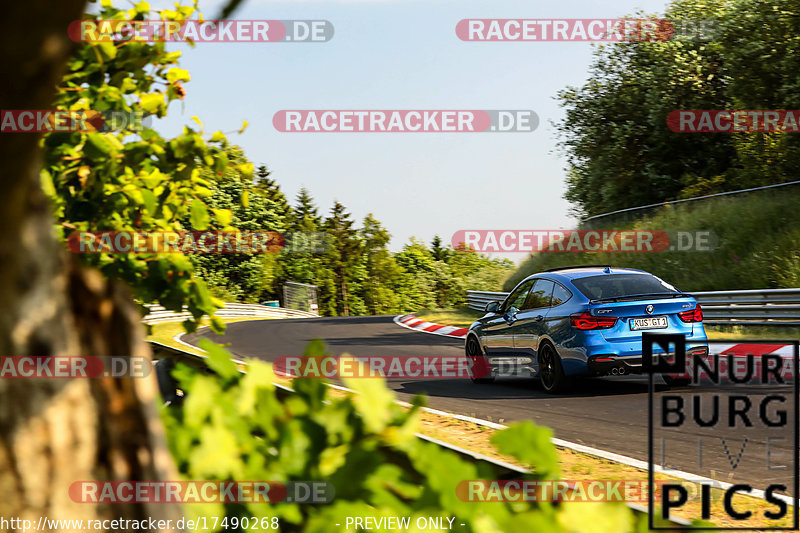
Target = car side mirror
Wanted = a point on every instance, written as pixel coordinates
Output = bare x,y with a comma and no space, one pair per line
492,307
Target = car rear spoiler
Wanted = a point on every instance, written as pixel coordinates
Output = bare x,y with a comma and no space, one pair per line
664,295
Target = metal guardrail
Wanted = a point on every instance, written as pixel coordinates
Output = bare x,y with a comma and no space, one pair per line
158,314
477,300
753,307
683,200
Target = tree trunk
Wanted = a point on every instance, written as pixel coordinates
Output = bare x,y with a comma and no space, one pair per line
54,432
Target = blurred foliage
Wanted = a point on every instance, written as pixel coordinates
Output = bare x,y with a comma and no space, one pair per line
234,427
619,149
135,179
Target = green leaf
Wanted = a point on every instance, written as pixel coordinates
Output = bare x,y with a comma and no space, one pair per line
331,459
201,297
153,179
246,169
127,86
172,56
152,102
142,7
98,145
223,216
200,218
373,400
532,445
217,325
107,50
219,359
217,454
149,200
47,183
177,74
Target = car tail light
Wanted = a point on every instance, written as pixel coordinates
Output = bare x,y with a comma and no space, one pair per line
693,315
586,321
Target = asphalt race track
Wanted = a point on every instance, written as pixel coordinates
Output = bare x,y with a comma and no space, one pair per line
606,413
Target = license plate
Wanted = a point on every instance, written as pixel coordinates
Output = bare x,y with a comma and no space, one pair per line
651,322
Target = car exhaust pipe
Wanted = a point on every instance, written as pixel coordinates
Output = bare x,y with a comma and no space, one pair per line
615,371
622,371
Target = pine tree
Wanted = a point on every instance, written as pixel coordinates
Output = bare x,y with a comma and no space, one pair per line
344,257
380,290
305,215
270,189
301,259
439,252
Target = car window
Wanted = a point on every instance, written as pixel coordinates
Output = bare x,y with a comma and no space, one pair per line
619,285
517,298
560,295
540,294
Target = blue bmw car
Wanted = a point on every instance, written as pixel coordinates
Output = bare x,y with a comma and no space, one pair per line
580,321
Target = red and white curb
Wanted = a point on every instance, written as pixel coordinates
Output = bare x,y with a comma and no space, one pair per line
755,349
412,322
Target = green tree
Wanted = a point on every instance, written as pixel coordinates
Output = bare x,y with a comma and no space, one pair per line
270,189
302,263
344,259
380,289
439,252
619,150
305,214
244,276
418,282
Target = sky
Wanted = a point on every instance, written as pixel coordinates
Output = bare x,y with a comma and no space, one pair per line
400,54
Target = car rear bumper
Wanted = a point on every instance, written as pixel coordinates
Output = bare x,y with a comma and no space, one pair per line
612,364
605,365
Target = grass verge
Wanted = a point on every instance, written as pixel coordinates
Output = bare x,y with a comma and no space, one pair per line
164,332
753,332
462,318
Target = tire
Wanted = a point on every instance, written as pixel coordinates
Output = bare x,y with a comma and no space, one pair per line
473,352
676,382
551,373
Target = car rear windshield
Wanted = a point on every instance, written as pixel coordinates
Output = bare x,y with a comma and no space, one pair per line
622,285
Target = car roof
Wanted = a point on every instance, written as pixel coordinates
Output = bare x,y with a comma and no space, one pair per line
582,272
